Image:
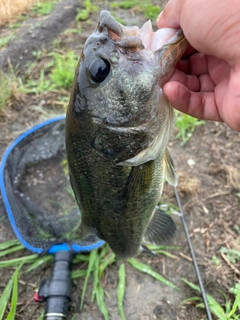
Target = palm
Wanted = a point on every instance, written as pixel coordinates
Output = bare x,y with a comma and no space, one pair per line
202,86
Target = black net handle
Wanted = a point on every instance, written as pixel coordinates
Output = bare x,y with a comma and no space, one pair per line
56,292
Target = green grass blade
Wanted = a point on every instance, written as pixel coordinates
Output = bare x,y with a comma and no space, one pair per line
213,304
236,304
8,244
92,258
78,274
95,277
155,248
14,300
81,258
192,299
100,301
40,317
11,250
16,261
104,251
12,286
5,296
121,290
105,262
40,261
146,269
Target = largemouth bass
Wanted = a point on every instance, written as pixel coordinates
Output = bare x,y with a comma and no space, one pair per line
117,128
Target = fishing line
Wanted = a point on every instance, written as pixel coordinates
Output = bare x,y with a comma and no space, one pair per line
193,256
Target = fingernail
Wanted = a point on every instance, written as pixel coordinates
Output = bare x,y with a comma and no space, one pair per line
159,17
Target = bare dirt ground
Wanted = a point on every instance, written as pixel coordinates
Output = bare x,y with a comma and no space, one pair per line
208,166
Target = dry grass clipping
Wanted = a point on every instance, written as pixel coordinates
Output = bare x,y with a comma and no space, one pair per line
188,185
230,174
11,9
11,95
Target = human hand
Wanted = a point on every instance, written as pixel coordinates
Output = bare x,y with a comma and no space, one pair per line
206,82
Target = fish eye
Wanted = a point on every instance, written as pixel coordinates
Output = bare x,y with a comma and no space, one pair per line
99,70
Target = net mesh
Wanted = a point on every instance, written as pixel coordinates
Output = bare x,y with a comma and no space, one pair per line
42,208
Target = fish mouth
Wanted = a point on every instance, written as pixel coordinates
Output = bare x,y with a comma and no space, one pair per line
134,38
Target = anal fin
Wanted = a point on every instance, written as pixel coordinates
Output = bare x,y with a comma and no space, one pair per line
161,228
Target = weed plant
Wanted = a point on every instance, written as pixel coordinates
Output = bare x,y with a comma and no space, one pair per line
186,126
11,90
229,311
84,14
43,8
62,73
5,40
149,10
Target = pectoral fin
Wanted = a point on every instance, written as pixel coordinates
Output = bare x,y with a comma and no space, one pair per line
161,229
169,169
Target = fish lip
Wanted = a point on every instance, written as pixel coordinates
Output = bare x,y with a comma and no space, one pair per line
142,38
117,33
107,21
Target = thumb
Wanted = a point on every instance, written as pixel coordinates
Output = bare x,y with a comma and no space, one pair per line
170,16
230,110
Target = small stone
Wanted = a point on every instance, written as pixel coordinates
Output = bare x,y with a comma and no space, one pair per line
191,162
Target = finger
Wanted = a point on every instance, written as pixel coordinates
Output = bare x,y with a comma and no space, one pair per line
189,81
206,84
200,105
198,64
203,83
230,102
195,64
218,69
170,16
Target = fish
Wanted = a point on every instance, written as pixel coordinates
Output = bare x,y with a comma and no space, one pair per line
118,125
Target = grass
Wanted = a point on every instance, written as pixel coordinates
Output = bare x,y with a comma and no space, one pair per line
229,311
43,8
40,85
121,290
128,4
62,73
97,262
186,126
56,75
5,40
11,90
149,10
84,14
232,255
